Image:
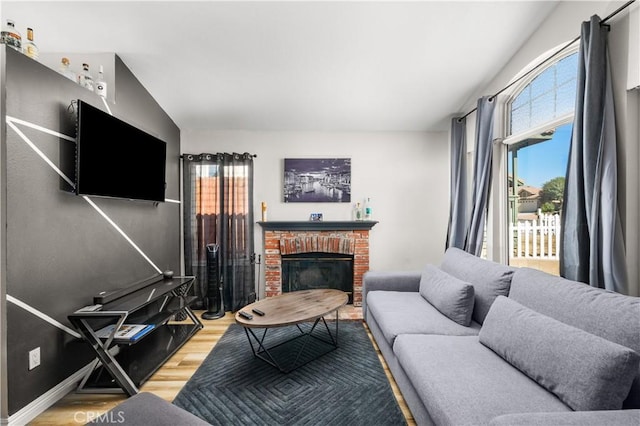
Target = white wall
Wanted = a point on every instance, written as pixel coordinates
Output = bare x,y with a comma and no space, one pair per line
562,26
405,174
628,149
630,210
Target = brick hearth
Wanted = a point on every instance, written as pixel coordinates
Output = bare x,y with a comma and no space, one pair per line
288,241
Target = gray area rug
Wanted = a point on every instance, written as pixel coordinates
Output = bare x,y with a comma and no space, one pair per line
346,386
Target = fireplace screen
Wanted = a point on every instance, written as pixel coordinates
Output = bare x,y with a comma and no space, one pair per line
306,271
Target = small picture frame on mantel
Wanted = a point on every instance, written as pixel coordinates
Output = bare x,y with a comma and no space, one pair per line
315,217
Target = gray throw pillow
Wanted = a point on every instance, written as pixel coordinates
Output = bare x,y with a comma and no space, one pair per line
489,279
585,371
452,297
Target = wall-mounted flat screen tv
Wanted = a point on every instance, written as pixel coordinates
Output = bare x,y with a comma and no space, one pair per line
116,159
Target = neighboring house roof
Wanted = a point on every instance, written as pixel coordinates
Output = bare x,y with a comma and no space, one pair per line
529,192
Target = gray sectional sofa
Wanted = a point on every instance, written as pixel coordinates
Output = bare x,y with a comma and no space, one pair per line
473,342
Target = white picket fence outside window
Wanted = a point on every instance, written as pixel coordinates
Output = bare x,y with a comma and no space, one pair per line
536,239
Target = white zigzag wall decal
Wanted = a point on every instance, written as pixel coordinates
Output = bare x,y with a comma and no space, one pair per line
42,315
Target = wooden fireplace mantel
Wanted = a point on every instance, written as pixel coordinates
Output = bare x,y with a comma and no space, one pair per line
329,225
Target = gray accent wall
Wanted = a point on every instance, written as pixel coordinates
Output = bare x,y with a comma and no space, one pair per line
60,251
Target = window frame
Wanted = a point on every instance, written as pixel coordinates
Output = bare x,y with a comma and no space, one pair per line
497,234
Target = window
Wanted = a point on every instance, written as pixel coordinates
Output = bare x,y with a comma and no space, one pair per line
550,96
539,124
206,185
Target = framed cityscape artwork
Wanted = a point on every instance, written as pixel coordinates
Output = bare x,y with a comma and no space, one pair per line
317,180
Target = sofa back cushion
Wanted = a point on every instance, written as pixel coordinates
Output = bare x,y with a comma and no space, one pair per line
585,371
489,279
610,315
452,297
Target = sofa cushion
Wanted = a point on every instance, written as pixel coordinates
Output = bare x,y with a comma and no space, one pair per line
449,295
489,279
388,281
400,312
585,371
610,315
461,382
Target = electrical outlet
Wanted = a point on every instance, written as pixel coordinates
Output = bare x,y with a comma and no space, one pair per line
34,358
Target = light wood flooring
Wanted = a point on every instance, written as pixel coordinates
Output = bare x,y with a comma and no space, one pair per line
76,409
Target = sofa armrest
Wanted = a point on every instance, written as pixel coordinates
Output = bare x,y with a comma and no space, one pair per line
388,281
146,408
570,418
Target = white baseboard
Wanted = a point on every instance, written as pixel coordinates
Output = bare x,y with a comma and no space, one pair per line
47,399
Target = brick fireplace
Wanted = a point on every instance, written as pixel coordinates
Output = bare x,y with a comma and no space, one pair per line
285,238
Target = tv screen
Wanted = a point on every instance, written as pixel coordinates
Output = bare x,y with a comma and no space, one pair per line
116,159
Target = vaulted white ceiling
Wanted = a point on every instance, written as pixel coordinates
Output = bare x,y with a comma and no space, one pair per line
365,66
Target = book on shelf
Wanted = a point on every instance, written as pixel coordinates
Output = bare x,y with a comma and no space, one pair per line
126,332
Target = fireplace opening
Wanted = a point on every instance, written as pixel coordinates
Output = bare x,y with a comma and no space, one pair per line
313,270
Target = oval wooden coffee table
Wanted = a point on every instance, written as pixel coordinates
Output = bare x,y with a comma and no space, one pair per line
303,309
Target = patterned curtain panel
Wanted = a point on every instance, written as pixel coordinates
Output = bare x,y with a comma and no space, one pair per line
237,231
217,203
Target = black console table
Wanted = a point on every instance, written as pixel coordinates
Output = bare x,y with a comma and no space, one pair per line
121,364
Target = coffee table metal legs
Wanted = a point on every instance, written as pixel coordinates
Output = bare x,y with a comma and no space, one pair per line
261,351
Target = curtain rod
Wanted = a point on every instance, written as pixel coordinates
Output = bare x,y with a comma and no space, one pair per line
553,55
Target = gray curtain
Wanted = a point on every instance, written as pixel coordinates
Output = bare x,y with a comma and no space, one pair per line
456,233
481,175
592,246
218,208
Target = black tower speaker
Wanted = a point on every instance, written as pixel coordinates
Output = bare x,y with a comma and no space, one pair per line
213,301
